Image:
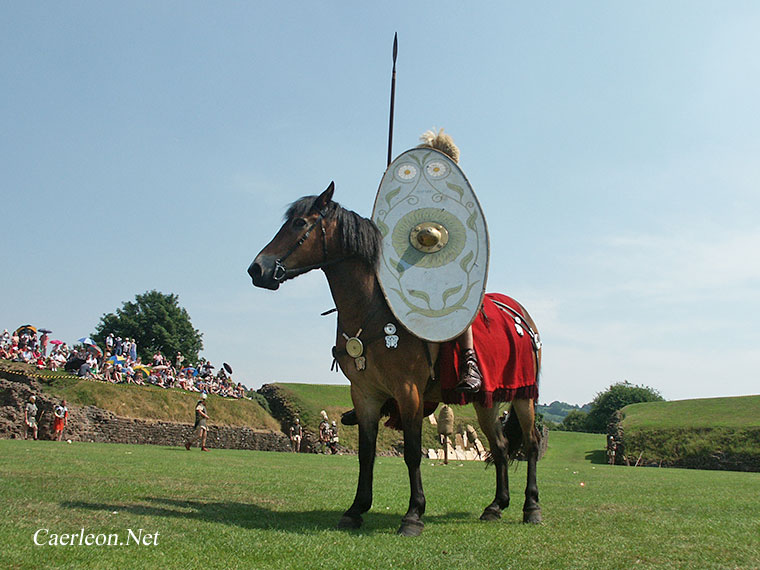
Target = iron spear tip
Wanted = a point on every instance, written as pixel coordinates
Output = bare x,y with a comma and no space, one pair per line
395,46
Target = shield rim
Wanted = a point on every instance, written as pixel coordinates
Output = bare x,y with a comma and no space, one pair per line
485,231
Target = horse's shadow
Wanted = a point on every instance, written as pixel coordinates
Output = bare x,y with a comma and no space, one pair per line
251,516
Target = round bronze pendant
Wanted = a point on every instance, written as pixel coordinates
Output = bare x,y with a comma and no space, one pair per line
429,237
354,347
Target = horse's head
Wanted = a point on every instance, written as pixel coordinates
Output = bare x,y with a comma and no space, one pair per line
301,244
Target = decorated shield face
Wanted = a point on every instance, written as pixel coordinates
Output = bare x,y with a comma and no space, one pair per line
435,244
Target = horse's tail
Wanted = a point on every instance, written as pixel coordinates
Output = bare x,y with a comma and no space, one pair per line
513,433
440,141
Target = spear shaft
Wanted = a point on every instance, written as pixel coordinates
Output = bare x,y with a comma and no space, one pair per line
393,99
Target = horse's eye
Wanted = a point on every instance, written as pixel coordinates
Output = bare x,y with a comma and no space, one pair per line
299,223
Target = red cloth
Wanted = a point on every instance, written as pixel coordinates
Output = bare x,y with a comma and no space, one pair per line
506,359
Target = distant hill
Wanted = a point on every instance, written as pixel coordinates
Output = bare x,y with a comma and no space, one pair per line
557,411
712,433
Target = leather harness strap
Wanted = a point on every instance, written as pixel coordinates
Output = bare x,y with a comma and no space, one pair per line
281,272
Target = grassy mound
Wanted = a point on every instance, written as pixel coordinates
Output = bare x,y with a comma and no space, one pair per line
308,399
145,402
713,433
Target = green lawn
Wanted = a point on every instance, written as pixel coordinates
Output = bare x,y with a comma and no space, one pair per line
243,509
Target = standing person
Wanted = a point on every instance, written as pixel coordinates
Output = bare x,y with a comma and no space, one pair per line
44,344
201,429
324,432
30,418
109,343
296,435
133,351
61,413
334,438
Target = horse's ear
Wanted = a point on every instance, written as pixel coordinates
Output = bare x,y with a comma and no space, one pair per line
325,197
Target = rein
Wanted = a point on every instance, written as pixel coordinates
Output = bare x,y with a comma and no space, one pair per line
281,272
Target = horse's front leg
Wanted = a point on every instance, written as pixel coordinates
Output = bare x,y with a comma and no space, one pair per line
410,406
368,414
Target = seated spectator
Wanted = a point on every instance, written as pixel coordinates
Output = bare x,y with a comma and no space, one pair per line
25,355
84,371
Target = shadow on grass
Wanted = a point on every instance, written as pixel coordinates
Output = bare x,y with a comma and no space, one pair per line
257,517
597,456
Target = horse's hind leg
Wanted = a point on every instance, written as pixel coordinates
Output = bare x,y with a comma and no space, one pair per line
489,423
526,416
368,414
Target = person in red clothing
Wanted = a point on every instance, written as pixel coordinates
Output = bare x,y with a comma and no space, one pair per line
60,418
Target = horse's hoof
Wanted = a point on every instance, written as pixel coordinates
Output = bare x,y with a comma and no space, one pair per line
532,517
347,522
410,527
491,514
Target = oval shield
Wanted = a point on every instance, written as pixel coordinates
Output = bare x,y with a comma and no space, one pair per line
434,264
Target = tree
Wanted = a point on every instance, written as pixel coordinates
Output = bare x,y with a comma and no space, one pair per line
157,322
576,420
615,398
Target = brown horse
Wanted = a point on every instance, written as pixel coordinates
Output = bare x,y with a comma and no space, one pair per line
319,234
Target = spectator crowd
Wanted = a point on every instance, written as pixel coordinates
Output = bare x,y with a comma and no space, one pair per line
119,363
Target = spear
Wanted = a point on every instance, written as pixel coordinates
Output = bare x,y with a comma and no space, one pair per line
393,98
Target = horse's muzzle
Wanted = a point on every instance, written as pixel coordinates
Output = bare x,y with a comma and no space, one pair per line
262,273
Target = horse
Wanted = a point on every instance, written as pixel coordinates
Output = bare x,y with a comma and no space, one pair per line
318,233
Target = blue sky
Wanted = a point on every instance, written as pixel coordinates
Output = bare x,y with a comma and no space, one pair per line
614,149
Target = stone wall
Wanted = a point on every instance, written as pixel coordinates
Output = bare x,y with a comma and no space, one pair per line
88,423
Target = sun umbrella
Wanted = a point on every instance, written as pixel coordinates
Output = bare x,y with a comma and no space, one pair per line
56,341
142,368
117,359
87,340
44,331
190,369
160,367
94,348
228,368
24,327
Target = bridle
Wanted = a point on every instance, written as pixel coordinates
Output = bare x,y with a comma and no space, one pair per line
281,272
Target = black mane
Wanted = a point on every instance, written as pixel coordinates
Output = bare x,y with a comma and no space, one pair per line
358,236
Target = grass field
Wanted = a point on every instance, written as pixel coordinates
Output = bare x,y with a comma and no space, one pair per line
243,509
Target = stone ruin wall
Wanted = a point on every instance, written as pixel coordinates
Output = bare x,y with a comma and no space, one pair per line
88,423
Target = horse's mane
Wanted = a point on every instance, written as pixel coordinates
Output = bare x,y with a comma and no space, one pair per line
359,236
